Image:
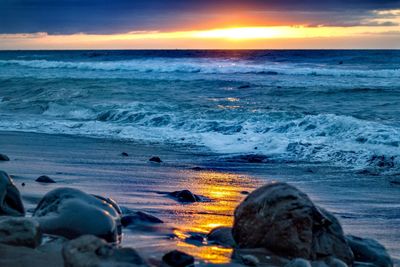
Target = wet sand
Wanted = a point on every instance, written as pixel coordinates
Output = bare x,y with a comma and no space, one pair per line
368,206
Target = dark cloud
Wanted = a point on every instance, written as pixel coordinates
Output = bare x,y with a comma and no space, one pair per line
112,16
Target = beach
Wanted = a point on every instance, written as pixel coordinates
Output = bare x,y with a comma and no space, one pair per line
365,206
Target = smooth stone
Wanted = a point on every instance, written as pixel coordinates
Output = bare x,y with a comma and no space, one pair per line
282,219
155,159
298,262
88,251
10,198
195,239
185,196
178,258
250,260
45,179
264,256
72,213
334,262
221,236
124,154
20,231
139,217
369,251
4,157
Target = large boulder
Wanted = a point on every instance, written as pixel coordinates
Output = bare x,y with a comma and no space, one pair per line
91,251
282,219
369,251
18,231
71,213
10,198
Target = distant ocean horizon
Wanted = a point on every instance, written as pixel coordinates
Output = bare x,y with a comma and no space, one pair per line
334,107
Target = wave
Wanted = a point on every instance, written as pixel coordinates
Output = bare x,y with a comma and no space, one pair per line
206,66
339,140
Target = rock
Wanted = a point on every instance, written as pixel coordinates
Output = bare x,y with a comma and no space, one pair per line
18,231
10,198
221,236
298,262
71,213
244,86
369,251
155,159
264,257
244,192
250,260
22,184
177,258
90,251
124,154
185,196
138,217
4,157
45,179
334,262
197,169
282,219
195,239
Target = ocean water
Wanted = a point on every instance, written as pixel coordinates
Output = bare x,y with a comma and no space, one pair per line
337,108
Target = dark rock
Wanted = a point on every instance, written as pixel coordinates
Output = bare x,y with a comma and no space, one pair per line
177,258
369,251
72,213
251,158
124,154
262,256
45,179
250,260
221,236
195,238
244,86
271,73
197,169
19,231
185,196
340,62
22,184
88,251
155,159
4,157
298,262
282,219
244,192
10,198
382,161
139,217
393,182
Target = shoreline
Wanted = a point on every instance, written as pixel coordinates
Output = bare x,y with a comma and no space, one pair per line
96,166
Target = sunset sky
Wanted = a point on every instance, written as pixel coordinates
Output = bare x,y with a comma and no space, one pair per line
209,24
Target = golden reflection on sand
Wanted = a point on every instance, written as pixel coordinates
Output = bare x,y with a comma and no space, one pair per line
224,190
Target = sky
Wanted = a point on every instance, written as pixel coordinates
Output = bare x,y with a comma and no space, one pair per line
199,24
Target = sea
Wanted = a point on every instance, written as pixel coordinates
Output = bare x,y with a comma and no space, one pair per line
334,107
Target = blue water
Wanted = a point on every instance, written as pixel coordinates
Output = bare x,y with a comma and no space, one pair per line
340,108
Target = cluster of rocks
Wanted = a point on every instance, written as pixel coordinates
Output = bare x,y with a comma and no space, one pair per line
276,225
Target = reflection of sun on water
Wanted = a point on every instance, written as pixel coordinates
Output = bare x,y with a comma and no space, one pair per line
224,191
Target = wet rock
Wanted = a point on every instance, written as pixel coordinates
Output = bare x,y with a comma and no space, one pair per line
4,157
252,158
244,192
155,159
250,260
197,169
263,256
177,258
139,217
124,154
88,251
45,179
244,86
334,262
185,196
10,198
369,251
221,236
282,219
195,239
72,213
19,231
298,262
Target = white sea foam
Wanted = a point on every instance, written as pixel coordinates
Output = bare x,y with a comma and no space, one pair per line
205,66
